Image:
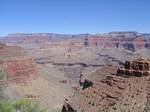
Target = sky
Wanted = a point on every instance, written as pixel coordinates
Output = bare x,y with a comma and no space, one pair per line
73,16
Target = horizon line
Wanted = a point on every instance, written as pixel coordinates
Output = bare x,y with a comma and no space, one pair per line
20,33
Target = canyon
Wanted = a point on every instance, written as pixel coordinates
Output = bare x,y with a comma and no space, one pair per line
76,71
25,79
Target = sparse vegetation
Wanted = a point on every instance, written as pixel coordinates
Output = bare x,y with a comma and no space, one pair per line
22,105
2,76
2,87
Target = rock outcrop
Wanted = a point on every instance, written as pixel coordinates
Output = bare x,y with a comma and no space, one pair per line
115,93
87,84
139,67
67,107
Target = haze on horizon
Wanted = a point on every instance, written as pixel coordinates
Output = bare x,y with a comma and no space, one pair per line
73,16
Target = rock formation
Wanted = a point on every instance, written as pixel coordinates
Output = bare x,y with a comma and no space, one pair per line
114,93
138,67
127,40
18,66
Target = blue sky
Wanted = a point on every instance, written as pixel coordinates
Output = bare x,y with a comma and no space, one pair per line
74,16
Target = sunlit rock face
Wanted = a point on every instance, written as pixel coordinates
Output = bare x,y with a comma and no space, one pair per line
127,40
18,66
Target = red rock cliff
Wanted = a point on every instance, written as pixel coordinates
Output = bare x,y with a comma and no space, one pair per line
18,66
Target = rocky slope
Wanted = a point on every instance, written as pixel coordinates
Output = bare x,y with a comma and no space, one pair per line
110,93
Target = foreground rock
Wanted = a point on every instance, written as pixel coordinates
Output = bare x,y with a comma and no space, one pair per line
112,94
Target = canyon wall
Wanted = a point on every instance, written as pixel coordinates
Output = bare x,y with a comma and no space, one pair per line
18,66
127,40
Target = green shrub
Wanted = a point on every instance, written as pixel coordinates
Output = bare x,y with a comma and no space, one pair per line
27,106
22,105
6,106
19,106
